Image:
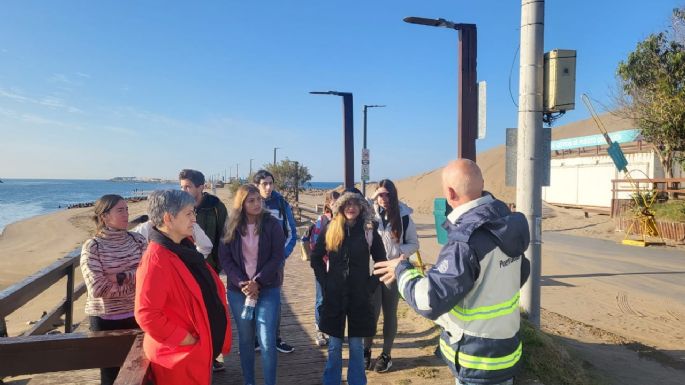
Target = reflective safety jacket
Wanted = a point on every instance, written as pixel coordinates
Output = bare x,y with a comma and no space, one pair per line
473,290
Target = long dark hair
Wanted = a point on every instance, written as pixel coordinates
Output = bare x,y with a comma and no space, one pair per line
237,220
393,210
102,207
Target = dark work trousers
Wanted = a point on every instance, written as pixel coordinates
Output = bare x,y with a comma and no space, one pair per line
386,298
97,324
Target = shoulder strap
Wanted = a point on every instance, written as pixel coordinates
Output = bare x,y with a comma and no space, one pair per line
281,209
405,224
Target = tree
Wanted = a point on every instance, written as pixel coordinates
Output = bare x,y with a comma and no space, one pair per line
652,84
290,177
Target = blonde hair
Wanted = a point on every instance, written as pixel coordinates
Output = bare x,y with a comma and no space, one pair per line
335,232
237,219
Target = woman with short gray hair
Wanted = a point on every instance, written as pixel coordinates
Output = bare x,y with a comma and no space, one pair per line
180,300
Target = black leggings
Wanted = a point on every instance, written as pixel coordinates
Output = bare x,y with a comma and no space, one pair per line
386,298
97,324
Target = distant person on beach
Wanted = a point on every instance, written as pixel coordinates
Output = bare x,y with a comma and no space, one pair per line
180,301
108,262
211,212
281,210
473,289
316,229
349,241
251,254
211,216
398,232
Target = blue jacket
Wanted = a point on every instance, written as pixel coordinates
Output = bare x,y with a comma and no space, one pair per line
487,230
280,209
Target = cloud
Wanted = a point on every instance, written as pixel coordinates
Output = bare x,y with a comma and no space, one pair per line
51,102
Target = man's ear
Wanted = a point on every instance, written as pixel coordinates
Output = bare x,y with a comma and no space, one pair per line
452,195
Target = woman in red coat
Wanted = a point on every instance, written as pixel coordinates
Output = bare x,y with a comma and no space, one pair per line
180,301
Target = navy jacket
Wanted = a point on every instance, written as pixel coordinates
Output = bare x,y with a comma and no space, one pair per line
270,257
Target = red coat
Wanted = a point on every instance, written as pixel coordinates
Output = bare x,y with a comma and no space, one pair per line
168,306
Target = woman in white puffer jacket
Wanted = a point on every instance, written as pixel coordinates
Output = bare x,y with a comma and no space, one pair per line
398,232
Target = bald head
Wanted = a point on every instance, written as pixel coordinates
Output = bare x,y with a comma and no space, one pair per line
462,181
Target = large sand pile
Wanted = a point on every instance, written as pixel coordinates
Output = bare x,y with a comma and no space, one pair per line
420,190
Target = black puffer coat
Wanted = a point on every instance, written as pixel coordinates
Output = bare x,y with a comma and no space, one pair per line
348,286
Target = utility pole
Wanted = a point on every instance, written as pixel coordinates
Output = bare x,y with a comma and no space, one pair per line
275,148
530,143
365,151
348,137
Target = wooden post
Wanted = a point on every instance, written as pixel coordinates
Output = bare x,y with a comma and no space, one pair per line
3,328
69,305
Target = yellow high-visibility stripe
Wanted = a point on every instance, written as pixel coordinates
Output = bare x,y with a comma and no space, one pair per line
481,363
447,350
408,274
487,312
491,363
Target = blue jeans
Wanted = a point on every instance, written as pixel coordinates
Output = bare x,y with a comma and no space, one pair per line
332,374
265,322
317,302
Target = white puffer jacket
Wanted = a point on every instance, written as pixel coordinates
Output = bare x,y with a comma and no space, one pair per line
408,243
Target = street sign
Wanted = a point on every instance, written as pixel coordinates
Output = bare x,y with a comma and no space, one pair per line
365,164
482,109
365,172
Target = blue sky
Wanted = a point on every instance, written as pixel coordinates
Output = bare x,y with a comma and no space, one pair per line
145,88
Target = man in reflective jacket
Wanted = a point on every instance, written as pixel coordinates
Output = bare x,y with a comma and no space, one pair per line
472,292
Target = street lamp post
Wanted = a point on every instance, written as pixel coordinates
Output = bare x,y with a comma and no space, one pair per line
468,88
364,176
348,131
275,148
250,167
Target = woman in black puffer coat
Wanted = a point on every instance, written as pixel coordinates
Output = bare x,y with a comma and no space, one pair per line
350,241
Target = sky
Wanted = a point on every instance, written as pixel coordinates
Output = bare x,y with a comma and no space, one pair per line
99,89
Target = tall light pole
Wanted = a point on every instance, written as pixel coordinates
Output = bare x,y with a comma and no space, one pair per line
529,146
365,149
250,168
468,88
275,148
348,134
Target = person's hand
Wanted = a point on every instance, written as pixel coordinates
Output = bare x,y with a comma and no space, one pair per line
188,340
385,270
250,288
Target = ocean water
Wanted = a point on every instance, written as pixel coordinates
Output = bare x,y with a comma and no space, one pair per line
322,185
25,198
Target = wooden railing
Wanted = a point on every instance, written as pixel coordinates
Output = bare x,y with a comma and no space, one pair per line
19,294
32,353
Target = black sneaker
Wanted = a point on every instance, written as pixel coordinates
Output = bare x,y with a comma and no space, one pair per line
383,363
218,366
367,359
283,347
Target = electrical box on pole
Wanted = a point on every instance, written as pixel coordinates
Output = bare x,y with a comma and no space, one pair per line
559,90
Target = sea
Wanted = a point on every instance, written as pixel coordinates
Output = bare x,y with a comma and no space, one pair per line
25,198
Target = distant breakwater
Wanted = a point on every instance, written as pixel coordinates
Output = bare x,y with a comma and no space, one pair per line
91,204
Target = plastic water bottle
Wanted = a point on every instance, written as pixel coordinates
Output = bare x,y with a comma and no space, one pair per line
248,309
